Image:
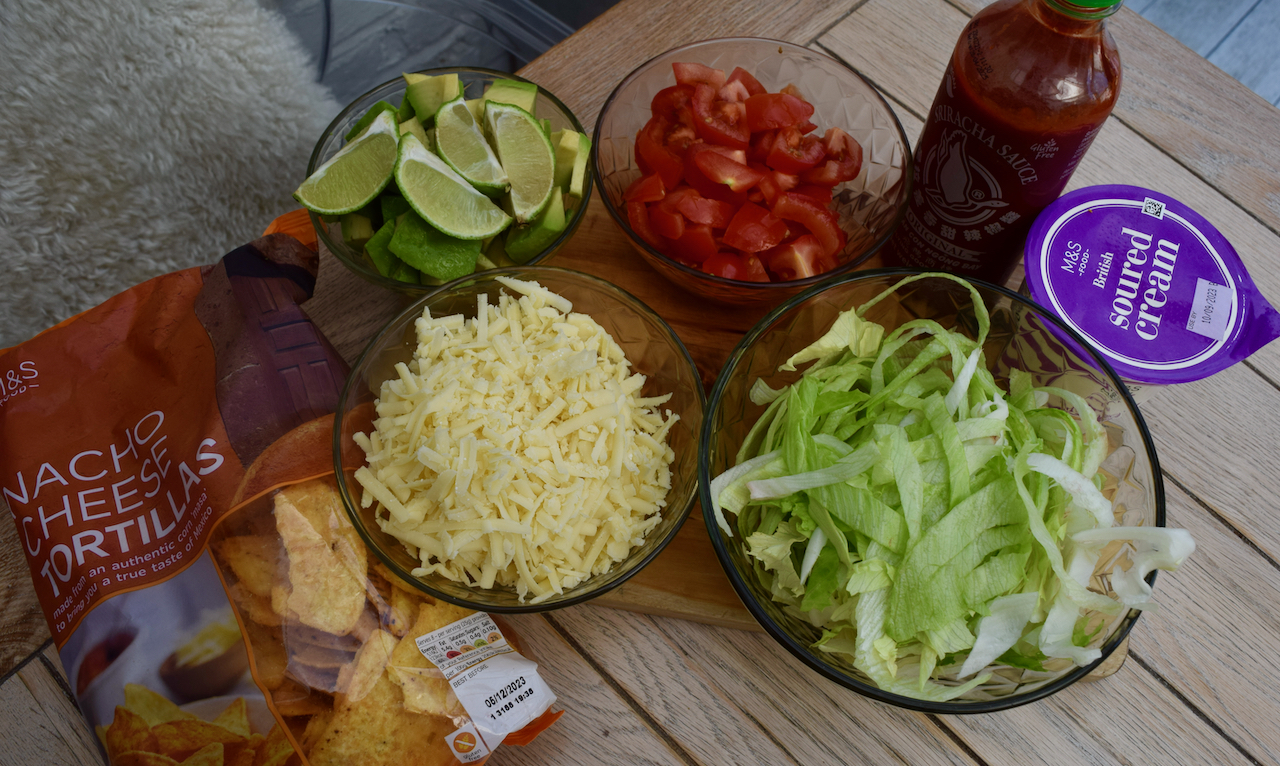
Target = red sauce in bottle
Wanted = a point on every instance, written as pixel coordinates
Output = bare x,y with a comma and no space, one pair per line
1029,85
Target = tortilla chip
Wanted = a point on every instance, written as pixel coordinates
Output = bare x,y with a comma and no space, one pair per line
255,559
316,727
209,755
377,731
403,613
297,633
255,607
324,679
304,451
292,698
142,758
128,731
235,718
244,754
152,706
316,656
269,659
393,580
359,678
275,750
179,739
327,588
425,688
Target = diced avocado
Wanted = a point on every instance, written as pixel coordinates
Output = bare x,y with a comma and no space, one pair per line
406,108
357,229
406,273
565,143
428,93
524,242
577,181
518,92
393,206
435,253
414,125
383,259
369,117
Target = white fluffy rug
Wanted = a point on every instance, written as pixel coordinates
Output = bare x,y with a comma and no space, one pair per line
138,137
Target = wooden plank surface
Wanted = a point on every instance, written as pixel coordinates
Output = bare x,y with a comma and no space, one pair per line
1198,687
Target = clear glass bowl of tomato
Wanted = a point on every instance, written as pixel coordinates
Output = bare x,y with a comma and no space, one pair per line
866,208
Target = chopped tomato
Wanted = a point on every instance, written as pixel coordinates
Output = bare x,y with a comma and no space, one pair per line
638,215
668,223
769,111
722,170
645,189
727,265
692,74
710,212
741,75
719,122
754,229
695,245
754,269
794,152
734,92
843,162
673,103
796,259
821,193
761,145
737,155
774,183
815,217
806,127
658,157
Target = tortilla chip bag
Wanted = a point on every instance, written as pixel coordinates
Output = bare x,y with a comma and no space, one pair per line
167,457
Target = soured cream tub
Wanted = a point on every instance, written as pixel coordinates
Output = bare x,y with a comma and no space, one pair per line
1148,282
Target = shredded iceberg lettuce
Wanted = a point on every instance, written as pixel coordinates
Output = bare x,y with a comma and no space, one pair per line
933,525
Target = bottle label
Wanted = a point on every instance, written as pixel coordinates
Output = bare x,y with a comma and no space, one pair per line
979,183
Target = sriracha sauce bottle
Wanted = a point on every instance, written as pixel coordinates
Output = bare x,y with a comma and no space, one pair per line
1029,85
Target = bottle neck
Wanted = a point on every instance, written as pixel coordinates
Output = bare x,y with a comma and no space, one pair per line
1071,17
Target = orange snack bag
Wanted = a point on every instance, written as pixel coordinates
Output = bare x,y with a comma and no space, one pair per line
167,458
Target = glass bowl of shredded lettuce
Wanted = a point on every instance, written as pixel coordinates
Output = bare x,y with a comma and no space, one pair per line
933,492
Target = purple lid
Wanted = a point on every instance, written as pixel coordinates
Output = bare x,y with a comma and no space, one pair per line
1148,281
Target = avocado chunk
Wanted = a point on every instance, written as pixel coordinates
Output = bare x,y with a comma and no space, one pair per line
430,250
368,118
406,108
357,229
427,93
393,206
387,264
524,242
518,92
578,179
565,144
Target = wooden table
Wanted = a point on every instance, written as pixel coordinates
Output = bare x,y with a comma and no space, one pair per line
1201,684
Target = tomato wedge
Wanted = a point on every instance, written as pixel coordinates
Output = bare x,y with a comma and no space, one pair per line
722,170
793,152
710,212
754,269
843,162
651,147
769,111
668,223
754,229
693,74
695,245
638,215
719,122
741,75
727,265
645,189
796,259
815,217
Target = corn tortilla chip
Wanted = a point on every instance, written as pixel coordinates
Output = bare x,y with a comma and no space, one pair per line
255,607
269,659
235,718
209,755
327,590
318,500
255,560
128,731
424,687
359,678
376,730
142,758
297,633
316,727
275,750
179,739
152,706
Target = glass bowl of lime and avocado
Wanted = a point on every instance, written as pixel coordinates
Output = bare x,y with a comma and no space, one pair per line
445,172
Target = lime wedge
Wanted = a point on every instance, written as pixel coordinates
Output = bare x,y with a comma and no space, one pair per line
461,144
443,197
525,153
356,174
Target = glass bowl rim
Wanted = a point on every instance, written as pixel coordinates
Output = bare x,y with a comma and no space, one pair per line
762,288
349,502
802,652
351,259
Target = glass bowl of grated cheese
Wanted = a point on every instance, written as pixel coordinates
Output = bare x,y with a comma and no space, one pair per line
520,440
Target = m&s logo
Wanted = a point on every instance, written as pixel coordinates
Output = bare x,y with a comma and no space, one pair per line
18,380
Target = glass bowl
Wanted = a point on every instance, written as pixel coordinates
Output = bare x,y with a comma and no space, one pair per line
650,345
869,207
1022,335
473,82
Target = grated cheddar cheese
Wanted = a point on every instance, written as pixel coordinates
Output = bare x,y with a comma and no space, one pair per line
514,449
